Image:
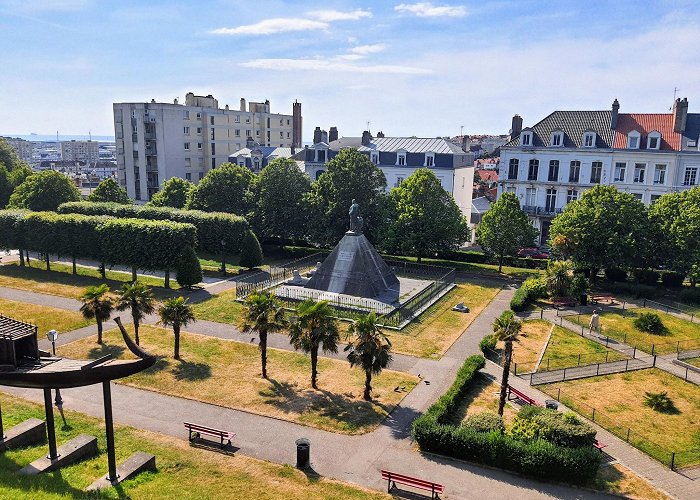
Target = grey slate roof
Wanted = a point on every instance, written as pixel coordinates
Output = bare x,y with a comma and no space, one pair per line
411,145
692,131
267,151
346,142
573,124
481,204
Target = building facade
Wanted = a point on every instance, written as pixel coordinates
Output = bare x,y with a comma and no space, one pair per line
553,162
157,141
87,151
23,148
256,157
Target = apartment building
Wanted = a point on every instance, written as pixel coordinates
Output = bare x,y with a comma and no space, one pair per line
87,151
157,141
553,162
23,148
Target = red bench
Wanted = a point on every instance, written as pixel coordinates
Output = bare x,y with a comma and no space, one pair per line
197,431
564,301
435,489
599,446
602,298
521,396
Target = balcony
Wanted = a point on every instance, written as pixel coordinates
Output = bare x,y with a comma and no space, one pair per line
151,151
149,136
541,211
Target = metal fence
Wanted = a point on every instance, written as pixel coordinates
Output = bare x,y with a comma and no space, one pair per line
592,370
668,309
277,274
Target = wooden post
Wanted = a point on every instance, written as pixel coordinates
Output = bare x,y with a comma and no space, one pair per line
109,425
2,430
50,428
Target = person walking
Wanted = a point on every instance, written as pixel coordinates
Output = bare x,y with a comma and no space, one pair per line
594,324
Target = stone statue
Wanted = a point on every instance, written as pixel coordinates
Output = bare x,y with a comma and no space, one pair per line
355,219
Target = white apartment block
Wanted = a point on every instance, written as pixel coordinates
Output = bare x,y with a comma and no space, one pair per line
87,151
157,141
24,149
551,163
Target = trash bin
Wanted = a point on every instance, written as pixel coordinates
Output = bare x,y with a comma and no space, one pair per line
551,404
584,299
303,453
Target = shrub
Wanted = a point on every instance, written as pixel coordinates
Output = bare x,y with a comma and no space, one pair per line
251,252
691,295
649,322
659,401
488,343
634,290
485,422
557,428
579,284
189,270
646,276
519,301
531,290
614,274
672,279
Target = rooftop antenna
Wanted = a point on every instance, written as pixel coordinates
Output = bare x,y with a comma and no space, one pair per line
675,91
368,122
461,130
90,135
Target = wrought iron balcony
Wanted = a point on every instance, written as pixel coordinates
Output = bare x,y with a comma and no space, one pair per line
541,211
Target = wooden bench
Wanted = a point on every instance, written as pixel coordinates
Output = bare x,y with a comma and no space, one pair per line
196,430
521,396
435,489
564,301
603,298
599,446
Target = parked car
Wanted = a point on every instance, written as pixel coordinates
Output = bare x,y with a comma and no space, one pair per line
533,252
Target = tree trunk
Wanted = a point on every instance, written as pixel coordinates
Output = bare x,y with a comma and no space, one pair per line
176,331
103,271
99,331
133,274
263,353
27,252
419,257
504,378
75,269
314,360
136,329
21,258
223,264
368,385
167,278
500,263
48,264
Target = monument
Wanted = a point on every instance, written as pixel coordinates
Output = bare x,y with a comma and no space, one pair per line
354,267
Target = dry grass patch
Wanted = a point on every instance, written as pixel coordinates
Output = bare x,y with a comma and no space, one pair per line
529,344
44,317
227,373
566,349
482,396
619,480
619,403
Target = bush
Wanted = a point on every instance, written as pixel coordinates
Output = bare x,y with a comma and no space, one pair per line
488,344
519,301
634,290
531,290
649,322
579,284
614,274
557,428
646,276
444,408
189,270
251,252
659,401
691,295
672,279
485,422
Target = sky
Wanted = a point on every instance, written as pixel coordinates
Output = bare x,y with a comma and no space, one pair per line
408,68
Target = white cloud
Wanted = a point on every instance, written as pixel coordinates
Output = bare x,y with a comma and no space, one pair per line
337,15
427,9
332,65
272,26
368,49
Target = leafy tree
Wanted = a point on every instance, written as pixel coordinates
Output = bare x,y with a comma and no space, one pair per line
174,193
8,155
558,277
251,251
176,312
505,228
44,191
506,329
677,215
139,298
110,191
5,186
370,349
314,327
19,174
350,175
605,228
280,212
263,314
189,269
224,189
97,304
426,218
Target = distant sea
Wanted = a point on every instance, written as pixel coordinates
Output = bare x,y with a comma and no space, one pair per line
52,138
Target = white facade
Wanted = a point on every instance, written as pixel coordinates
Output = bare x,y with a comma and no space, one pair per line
24,149
88,151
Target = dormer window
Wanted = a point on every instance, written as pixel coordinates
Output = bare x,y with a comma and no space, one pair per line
589,140
633,140
401,158
654,140
526,139
374,157
557,138
429,159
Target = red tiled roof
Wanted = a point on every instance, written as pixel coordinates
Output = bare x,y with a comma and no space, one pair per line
644,123
487,175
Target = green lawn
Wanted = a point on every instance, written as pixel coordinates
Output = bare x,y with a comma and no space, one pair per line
45,318
619,325
693,361
221,308
565,347
184,472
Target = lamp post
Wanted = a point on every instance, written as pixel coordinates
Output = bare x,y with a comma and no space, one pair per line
223,257
52,335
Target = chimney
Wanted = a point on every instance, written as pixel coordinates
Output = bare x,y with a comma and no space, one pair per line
249,142
333,134
615,110
242,104
680,115
324,136
175,101
317,135
294,150
465,141
516,126
296,124
226,107
380,135
366,137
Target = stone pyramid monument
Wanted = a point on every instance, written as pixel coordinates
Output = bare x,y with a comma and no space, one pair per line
354,267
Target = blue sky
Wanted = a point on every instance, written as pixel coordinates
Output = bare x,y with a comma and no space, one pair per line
409,68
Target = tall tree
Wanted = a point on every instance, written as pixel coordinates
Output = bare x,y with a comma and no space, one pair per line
677,215
605,228
251,252
109,190
224,189
426,218
350,175
173,193
97,304
5,186
370,349
280,212
44,191
176,312
263,314
314,327
19,174
8,155
139,298
506,329
505,228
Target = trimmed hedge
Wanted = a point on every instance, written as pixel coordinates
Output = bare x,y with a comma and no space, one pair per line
531,290
485,422
488,343
562,429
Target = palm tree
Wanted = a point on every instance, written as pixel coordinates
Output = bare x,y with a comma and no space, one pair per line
506,329
176,312
314,327
97,304
370,350
558,278
263,314
139,298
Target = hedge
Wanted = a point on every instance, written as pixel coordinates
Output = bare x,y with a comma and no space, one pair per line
536,458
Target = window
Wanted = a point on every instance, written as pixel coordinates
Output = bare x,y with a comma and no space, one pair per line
654,140
639,171
530,197
257,132
557,139
429,159
199,130
571,195
399,180
187,146
186,130
589,140
188,162
321,155
550,202
532,170
596,171
374,157
199,116
212,135
655,198
401,158
287,122
213,148
633,140
247,133
620,168
513,168
188,176
690,177
281,135
526,139
237,132
186,115
660,174
199,146
247,119
201,176
638,196
574,171
211,120
237,119
510,189
553,171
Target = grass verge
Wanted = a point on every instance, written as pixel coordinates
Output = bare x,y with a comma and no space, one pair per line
44,317
567,349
